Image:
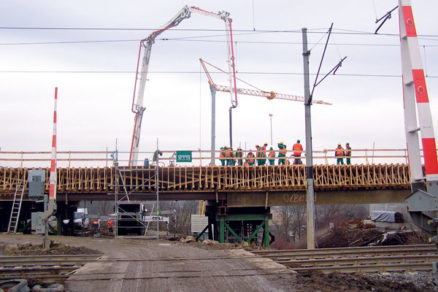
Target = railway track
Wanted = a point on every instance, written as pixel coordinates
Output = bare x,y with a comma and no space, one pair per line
43,268
405,258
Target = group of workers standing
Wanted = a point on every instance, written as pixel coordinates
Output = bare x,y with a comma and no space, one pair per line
263,156
340,153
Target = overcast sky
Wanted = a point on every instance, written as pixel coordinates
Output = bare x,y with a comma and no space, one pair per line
94,71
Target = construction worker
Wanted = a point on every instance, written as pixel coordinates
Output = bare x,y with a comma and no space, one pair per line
229,156
222,156
110,226
282,153
263,153
250,158
271,156
339,153
298,149
258,153
95,226
239,156
348,153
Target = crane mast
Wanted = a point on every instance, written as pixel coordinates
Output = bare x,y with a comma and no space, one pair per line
141,76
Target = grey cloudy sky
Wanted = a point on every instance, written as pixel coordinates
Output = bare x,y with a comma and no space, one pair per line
94,107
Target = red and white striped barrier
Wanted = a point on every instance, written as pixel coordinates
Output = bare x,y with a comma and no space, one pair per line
52,179
411,60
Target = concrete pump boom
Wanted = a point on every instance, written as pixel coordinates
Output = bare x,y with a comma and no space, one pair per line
141,77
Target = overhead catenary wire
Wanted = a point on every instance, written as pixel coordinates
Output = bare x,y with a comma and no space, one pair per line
197,72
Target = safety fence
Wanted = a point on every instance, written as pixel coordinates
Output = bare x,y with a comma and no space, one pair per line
216,178
197,158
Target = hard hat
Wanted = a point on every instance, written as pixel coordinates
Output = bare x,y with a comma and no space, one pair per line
271,148
266,143
348,143
339,144
298,141
281,142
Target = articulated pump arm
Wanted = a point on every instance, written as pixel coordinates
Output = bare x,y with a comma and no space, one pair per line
141,77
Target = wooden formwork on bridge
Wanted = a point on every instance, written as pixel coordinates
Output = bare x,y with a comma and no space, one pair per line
217,178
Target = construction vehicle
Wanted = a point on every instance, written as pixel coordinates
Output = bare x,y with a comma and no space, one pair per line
141,76
423,202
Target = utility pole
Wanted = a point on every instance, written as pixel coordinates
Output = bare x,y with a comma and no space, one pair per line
310,196
213,124
270,116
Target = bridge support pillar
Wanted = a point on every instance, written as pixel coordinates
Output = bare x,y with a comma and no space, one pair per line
244,224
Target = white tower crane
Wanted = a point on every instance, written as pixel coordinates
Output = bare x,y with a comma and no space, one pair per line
141,76
245,91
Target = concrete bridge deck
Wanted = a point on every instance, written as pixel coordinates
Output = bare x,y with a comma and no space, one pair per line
239,185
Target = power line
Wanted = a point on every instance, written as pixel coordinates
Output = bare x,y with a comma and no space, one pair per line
194,72
314,31
196,40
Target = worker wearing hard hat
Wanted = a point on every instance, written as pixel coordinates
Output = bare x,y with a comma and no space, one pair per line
339,154
261,154
250,158
282,153
222,156
239,156
298,149
258,154
348,153
271,156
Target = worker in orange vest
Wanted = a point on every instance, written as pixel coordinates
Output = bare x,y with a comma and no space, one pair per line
282,153
271,156
348,153
339,154
222,156
298,149
110,225
95,225
250,158
263,153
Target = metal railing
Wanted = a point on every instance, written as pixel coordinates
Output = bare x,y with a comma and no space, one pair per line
198,157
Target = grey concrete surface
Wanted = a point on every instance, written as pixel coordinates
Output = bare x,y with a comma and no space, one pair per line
151,265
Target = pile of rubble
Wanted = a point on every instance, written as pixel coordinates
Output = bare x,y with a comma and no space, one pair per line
356,233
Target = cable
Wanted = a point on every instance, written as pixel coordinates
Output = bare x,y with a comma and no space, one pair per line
339,31
197,72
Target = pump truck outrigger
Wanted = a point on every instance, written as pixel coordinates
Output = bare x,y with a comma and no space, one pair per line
137,99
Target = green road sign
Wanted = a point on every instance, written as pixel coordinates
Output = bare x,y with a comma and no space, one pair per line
183,156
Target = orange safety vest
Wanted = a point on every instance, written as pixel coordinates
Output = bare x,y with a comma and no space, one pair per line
250,157
272,153
228,153
297,148
110,223
263,151
95,222
222,154
339,151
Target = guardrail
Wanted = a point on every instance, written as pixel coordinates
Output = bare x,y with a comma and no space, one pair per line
198,157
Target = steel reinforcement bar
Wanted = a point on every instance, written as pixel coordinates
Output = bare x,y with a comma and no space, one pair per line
221,179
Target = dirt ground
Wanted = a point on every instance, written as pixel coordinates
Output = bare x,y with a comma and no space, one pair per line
151,265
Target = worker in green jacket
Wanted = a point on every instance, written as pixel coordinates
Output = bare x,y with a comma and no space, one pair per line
222,156
271,157
348,153
239,156
282,153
